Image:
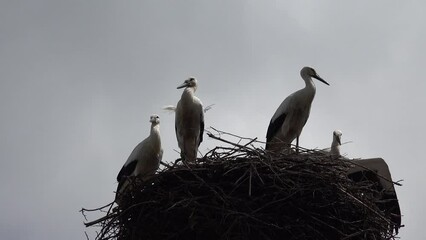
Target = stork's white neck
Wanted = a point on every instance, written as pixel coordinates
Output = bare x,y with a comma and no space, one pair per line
335,147
188,93
307,94
155,135
309,83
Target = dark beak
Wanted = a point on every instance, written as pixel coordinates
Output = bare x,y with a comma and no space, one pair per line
185,84
320,79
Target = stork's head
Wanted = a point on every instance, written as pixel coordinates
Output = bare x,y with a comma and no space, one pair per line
337,136
155,119
190,82
310,72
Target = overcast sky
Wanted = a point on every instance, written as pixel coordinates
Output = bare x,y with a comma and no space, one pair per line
79,80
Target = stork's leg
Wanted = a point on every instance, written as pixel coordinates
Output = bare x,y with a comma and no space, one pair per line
297,145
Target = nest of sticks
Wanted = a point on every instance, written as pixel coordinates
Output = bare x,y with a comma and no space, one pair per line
241,192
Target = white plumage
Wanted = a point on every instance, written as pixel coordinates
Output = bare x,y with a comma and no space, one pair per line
334,150
172,109
144,160
291,116
189,121
337,142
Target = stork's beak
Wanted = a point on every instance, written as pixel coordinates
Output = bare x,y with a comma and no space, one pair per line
338,140
320,79
184,84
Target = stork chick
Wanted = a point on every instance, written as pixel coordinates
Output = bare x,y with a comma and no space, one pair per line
337,142
144,160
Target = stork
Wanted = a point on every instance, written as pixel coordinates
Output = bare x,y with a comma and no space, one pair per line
291,116
189,121
144,159
335,145
334,150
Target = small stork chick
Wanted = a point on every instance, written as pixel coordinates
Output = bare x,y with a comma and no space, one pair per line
189,121
291,116
337,142
144,160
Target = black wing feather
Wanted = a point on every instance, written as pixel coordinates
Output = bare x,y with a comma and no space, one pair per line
201,128
127,170
176,133
274,126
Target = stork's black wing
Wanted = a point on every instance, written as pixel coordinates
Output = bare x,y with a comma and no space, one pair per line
274,127
201,128
126,170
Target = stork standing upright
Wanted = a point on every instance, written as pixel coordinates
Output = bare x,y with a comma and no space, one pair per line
335,145
144,159
189,121
291,116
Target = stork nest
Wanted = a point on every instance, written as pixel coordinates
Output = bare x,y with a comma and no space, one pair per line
241,192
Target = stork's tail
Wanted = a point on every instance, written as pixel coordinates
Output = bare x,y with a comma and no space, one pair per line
121,188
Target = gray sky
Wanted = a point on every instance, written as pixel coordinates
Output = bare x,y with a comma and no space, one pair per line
79,79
